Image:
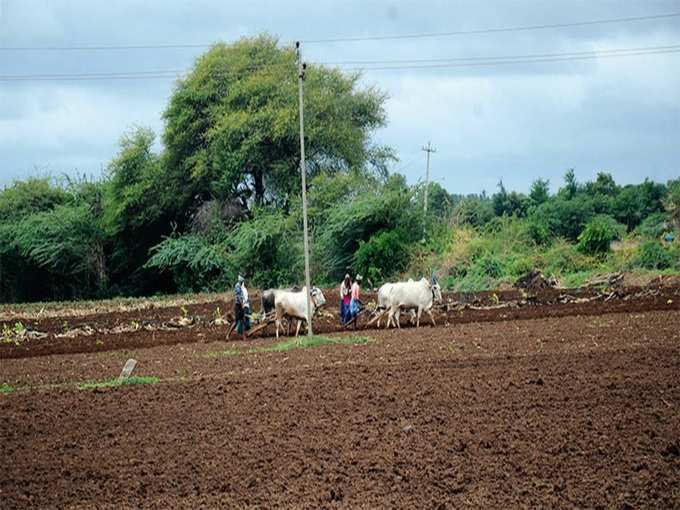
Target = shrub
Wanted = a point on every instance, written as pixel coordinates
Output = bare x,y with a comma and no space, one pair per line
564,218
651,255
538,230
383,255
194,263
599,233
488,265
654,226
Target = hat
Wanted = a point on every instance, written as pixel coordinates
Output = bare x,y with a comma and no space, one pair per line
346,275
358,278
241,279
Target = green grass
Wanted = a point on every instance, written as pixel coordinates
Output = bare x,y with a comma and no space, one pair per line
110,383
6,388
302,342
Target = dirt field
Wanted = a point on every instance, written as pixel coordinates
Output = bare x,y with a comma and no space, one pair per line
540,404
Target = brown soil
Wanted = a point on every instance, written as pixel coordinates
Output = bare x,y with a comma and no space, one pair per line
573,411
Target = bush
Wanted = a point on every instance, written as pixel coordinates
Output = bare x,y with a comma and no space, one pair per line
488,265
654,226
599,233
564,218
382,256
538,230
194,263
651,255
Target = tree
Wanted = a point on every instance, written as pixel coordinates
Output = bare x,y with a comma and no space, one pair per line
636,202
540,191
672,201
138,209
604,184
571,187
232,125
509,204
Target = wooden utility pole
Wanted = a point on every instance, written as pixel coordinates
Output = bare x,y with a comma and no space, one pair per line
303,171
429,149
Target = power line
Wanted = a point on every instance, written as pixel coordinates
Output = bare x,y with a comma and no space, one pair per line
501,57
512,62
111,47
493,30
370,65
106,47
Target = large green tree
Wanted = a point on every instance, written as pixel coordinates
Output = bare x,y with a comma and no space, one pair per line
232,126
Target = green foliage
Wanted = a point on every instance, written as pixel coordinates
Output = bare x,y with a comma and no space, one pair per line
510,204
540,191
232,124
6,388
474,211
267,249
672,202
194,262
571,186
222,197
348,223
651,255
31,196
382,256
636,202
599,233
562,217
136,195
654,226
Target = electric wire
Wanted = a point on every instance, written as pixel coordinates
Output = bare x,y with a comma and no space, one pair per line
368,65
524,28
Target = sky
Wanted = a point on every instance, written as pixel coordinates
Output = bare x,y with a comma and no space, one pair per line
515,122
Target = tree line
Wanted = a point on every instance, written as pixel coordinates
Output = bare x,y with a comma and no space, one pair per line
222,195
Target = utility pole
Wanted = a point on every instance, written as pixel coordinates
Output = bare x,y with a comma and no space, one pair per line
303,171
429,149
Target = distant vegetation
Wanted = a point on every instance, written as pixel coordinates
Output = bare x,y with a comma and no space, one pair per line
222,198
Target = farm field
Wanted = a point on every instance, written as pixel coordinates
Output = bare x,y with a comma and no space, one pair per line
561,399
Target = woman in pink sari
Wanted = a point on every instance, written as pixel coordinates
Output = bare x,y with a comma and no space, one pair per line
345,299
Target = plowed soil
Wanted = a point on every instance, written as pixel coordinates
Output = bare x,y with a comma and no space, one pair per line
577,409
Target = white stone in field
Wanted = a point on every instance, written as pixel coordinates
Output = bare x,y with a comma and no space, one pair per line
128,368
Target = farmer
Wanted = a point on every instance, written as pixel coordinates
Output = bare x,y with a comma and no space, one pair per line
345,299
355,301
241,307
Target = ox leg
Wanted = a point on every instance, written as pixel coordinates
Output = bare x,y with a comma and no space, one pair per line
420,311
278,323
396,315
297,331
429,312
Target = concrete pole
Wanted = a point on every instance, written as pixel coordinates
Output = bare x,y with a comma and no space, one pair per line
303,171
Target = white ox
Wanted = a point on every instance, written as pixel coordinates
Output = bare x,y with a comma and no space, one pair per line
294,305
384,303
409,295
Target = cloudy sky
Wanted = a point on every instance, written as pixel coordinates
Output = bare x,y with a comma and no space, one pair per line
511,121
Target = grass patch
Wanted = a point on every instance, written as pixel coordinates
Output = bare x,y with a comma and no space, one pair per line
302,342
6,388
110,383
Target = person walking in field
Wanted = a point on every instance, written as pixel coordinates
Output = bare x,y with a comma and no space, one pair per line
241,307
345,299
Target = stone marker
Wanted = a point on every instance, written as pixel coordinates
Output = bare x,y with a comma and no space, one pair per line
128,368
